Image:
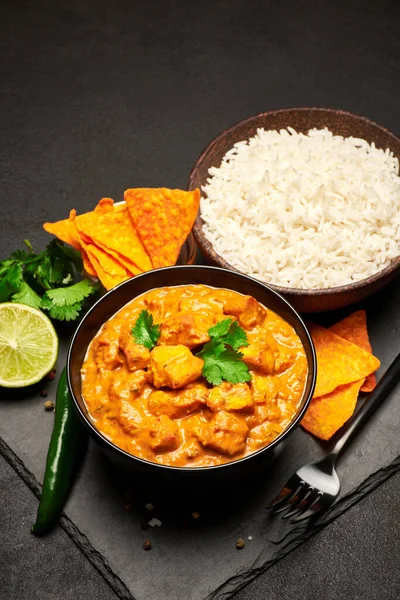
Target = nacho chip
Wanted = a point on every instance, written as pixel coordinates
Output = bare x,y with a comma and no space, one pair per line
108,270
104,206
327,414
114,233
163,219
65,231
354,329
339,362
87,264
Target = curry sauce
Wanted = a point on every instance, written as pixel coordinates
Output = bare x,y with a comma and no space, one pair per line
155,404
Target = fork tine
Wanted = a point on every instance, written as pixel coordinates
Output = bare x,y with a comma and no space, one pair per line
301,504
292,500
283,495
311,510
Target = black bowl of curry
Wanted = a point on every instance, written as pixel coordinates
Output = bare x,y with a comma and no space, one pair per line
191,368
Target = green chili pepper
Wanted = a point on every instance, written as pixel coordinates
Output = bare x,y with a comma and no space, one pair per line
67,446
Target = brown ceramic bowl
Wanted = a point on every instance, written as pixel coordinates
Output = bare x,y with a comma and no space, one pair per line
301,119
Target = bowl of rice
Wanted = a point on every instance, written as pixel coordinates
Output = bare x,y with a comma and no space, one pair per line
306,200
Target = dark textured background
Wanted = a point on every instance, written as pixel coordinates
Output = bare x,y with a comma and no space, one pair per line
98,96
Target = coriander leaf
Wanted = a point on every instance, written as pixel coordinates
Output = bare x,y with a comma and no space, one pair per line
73,255
46,303
10,281
27,295
5,265
64,313
68,296
220,329
222,361
226,366
20,255
212,348
236,336
144,332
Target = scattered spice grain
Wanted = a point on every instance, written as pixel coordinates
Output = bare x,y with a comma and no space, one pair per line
147,545
48,405
240,544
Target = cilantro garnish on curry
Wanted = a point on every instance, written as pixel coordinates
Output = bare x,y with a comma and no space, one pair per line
193,376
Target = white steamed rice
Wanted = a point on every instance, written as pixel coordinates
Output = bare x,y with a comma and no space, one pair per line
304,211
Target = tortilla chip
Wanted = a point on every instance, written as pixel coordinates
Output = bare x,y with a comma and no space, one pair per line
87,264
327,414
104,206
339,362
65,231
354,329
108,270
163,219
113,232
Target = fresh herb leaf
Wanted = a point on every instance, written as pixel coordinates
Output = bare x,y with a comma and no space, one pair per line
44,280
227,365
236,336
26,295
73,294
220,329
73,255
222,361
10,281
230,333
144,332
212,348
65,313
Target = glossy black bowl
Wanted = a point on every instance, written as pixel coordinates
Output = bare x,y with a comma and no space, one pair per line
115,299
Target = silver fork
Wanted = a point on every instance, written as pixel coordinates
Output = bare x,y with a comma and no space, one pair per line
315,486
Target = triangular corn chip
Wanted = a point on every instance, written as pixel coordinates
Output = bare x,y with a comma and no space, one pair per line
164,219
354,329
339,362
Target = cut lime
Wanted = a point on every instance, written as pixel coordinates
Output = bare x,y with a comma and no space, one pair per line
28,345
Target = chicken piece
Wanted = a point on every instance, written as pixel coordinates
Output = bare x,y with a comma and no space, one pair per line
107,354
137,356
284,361
129,418
260,357
156,302
246,309
162,434
187,328
174,366
263,388
129,387
228,396
225,434
178,404
263,434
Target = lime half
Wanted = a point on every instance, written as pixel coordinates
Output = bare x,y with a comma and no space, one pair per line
28,345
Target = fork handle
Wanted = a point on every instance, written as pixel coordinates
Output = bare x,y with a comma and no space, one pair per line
375,399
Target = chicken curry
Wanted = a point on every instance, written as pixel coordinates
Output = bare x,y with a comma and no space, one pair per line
158,405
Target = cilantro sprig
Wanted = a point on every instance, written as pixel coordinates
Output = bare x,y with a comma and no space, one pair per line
222,360
46,280
144,331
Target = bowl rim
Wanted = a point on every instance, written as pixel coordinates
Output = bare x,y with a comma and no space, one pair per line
206,246
312,367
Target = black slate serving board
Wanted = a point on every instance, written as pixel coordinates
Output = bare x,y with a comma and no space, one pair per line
105,511
100,96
